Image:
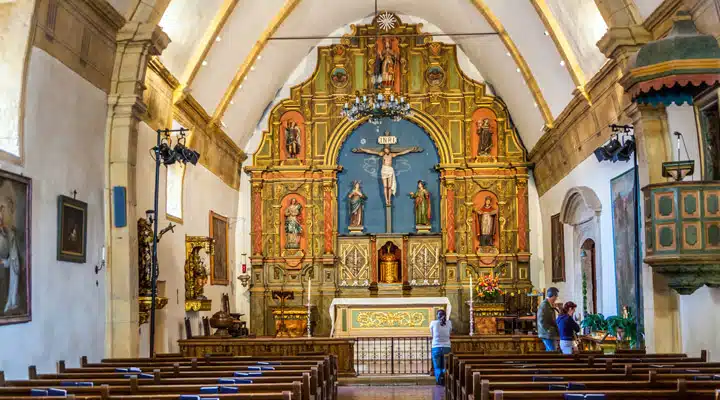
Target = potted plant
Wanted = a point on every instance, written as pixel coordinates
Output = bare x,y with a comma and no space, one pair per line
624,329
596,323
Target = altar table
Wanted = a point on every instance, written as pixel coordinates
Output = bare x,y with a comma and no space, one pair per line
385,316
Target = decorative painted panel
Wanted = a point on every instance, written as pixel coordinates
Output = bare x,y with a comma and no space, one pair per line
684,223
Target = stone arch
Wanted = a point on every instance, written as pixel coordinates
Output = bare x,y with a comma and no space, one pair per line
581,209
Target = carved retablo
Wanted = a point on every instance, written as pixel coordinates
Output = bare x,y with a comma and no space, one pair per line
398,208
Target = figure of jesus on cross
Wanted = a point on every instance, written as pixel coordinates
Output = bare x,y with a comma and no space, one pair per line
387,173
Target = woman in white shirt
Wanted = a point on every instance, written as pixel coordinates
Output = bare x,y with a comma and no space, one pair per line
440,330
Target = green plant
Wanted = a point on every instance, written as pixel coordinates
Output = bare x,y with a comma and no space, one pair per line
584,292
626,326
596,322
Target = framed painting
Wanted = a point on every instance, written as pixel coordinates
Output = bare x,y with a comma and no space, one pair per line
557,241
72,230
623,204
219,271
15,210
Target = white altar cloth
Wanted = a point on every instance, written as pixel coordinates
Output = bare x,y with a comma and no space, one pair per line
376,301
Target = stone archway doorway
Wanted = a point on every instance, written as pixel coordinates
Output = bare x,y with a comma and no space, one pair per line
588,266
581,210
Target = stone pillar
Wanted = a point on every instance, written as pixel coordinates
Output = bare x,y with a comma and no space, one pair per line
660,303
136,42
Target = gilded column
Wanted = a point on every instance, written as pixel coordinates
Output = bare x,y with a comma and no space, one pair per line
406,258
522,213
136,43
328,216
256,207
450,223
373,259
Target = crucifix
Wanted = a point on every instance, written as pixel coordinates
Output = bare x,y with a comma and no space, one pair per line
387,173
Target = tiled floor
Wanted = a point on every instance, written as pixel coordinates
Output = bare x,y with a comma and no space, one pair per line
391,392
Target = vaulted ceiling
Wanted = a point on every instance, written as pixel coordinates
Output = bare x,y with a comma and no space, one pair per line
222,53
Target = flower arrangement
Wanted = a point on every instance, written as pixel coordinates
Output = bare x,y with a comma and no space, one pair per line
488,288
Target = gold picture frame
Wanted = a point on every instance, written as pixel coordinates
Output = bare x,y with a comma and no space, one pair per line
219,265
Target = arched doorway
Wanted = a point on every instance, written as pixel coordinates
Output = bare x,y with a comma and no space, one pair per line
588,268
581,210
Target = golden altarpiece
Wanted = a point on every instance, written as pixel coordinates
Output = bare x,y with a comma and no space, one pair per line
300,231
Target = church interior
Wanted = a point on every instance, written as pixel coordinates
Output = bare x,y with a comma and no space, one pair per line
304,184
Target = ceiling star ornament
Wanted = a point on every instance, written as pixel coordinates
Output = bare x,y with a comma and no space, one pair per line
386,21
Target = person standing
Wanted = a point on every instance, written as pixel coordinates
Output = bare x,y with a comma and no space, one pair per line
567,328
546,325
440,330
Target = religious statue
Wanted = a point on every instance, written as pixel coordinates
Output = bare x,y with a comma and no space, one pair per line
422,205
293,227
145,238
196,275
487,223
9,254
485,134
357,206
384,74
387,173
292,139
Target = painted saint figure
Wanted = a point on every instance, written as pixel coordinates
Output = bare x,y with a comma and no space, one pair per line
357,205
487,223
292,139
422,205
485,134
387,173
9,254
293,229
384,74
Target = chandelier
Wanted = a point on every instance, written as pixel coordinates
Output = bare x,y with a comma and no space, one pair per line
376,107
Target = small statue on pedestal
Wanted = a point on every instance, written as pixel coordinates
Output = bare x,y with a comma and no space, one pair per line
422,208
356,204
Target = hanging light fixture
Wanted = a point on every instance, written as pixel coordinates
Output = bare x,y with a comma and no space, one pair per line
376,107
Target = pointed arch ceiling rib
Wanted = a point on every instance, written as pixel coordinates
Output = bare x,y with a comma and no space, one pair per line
221,51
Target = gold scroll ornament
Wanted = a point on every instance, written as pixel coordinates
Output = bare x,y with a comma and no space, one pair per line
382,319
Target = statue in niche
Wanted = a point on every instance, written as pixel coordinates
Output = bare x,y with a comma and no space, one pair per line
387,59
196,275
292,139
387,173
422,205
485,134
487,223
357,206
293,227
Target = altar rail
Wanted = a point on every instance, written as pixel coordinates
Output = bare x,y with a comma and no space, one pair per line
393,355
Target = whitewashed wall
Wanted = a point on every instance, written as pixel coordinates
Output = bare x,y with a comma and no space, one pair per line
64,151
597,177
700,322
202,192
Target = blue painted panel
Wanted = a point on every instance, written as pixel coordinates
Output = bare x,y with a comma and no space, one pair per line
119,206
409,169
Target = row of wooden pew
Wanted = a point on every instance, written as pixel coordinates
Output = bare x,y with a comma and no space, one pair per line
306,377
587,375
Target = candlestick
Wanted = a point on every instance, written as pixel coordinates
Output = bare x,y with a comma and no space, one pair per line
309,309
472,314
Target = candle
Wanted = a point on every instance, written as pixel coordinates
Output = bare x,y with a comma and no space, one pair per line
471,291
103,254
309,290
